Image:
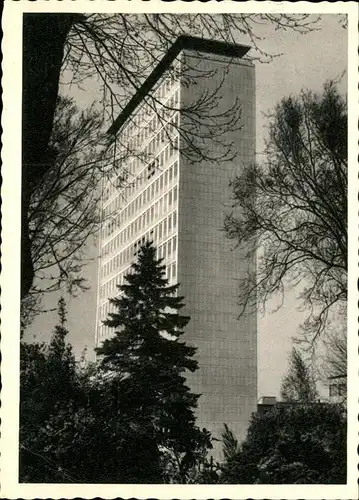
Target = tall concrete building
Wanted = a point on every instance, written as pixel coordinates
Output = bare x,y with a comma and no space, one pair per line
178,146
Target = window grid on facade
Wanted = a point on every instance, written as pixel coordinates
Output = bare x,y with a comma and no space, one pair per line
146,204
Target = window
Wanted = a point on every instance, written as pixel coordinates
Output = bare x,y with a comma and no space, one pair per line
162,158
174,270
170,223
174,244
165,228
169,248
171,173
175,194
170,198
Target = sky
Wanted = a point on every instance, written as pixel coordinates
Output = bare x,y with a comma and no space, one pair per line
307,61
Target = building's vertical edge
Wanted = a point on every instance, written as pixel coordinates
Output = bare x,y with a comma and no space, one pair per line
179,61
254,135
99,268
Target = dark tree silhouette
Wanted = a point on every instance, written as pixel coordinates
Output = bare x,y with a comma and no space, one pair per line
44,39
47,385
147,353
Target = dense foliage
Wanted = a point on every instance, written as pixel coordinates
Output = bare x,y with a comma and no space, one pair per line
72,428
298,441
133,424
292,444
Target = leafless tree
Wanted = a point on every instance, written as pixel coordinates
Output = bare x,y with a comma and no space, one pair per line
335,358
298,384
292,208
118,51
63,209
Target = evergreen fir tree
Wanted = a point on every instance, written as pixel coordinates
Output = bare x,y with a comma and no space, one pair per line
147,352
61,360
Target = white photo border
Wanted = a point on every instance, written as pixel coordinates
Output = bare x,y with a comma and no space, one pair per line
10,277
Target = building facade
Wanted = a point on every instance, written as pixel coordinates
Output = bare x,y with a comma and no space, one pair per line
179,147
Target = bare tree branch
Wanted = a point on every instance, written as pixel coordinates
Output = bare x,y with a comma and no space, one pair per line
118,51
292,209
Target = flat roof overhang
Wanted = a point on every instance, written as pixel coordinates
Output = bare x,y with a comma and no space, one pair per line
182,42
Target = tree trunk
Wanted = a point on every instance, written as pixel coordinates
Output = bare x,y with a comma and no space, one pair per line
44,37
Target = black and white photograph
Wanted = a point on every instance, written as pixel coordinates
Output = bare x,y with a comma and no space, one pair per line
179,223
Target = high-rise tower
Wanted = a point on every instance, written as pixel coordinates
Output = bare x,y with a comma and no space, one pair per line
179,145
